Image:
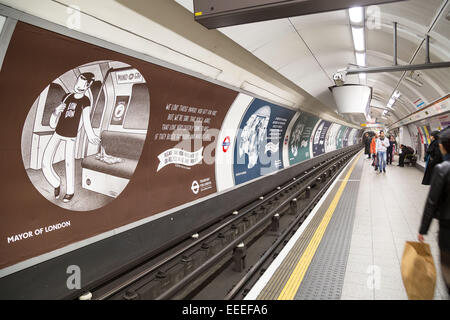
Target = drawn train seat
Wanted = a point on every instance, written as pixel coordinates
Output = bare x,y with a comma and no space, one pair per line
109,174
111,178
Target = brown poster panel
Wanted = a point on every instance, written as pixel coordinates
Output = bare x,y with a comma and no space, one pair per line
93,140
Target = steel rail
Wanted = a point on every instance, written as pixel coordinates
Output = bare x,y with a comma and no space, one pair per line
230,247
268,253
305,175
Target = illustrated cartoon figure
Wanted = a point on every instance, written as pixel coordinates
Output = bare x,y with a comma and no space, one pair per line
295,140
65,119
253,135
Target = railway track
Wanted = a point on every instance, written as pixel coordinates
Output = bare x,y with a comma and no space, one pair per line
225,259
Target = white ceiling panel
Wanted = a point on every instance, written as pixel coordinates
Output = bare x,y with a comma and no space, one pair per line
334,34
283,50
328,60
320,19
188,4
442,28
382,41
251,36
416,13
309,49
303,69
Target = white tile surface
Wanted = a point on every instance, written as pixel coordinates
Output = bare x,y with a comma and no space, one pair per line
355,291
388,213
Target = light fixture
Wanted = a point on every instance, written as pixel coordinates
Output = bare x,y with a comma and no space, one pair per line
360,59
358,38
362,78
392,100
396,94
356,14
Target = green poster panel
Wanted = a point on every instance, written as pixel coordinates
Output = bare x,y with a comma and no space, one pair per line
299,142
340,137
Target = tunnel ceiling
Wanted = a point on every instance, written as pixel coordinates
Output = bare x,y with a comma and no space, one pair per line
308,50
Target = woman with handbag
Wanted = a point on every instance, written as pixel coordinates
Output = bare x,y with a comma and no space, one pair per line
438,205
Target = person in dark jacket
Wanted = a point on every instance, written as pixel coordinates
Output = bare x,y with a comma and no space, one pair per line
367,141
438,206
390,149
405,150
433,156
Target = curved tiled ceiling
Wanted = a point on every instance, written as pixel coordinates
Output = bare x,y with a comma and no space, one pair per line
309,49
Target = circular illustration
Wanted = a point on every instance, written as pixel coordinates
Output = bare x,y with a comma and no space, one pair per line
84,134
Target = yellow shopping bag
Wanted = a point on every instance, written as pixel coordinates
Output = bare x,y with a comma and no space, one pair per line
418,271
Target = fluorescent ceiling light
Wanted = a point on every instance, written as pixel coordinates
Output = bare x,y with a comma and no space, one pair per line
358,39
394,97
390,103
362,78
360,59
356,14
396,94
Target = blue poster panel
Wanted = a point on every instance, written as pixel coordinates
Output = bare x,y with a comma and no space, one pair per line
319,138
259,142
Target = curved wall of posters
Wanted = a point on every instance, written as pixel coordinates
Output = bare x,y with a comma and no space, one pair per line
97,140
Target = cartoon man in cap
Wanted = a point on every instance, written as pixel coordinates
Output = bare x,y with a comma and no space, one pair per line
67,119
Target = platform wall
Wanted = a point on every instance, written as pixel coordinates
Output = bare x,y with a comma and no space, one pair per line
201,140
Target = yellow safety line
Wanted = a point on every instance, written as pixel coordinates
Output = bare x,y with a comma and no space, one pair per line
296,278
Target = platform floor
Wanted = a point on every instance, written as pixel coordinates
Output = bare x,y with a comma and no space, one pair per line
351,245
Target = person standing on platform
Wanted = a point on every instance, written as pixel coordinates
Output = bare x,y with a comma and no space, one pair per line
373,151
367,144
382,144
433,157
390,150
437,206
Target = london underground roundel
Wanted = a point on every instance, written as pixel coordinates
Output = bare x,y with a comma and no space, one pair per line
226,144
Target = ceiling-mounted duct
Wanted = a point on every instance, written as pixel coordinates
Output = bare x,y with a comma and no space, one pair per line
352,98
215,14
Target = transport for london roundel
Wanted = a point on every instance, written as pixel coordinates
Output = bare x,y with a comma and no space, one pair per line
84,134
